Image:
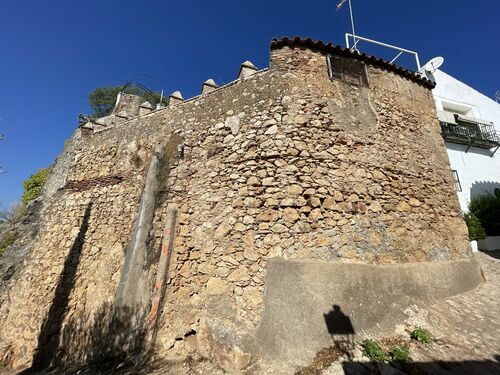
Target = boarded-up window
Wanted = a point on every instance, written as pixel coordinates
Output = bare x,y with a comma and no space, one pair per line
348,70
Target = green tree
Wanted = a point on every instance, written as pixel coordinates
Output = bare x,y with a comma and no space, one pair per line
33,186
103,99
487,209
476,230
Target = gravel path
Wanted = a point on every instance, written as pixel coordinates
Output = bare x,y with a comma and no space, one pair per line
466,327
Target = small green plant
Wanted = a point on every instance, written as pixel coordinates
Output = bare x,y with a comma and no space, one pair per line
400,354
476,230
421,335
33,186
6,240
372,350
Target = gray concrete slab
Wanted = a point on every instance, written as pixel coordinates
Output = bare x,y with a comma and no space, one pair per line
309,303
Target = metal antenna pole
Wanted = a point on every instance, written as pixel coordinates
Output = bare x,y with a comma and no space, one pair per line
352,24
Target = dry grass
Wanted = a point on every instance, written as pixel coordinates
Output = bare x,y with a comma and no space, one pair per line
326,357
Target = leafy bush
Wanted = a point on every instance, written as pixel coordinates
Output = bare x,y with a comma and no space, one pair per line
6,240
33,185
400,354
372,350
421,335
487,209
476,230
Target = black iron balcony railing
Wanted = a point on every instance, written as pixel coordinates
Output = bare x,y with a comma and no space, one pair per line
471,134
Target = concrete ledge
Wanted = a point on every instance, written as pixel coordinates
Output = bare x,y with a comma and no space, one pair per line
300,319
490,243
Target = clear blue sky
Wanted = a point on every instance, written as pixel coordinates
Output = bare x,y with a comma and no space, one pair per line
53,53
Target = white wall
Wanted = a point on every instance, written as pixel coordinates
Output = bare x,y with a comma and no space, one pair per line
451,89
477,171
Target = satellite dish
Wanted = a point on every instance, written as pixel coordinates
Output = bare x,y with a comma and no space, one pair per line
432,65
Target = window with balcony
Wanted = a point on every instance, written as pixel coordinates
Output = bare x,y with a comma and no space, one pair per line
462,128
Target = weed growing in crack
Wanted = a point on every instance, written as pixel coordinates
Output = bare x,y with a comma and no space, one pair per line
372,350
400,354
421,335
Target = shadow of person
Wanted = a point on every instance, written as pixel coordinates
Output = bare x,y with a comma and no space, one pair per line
341,329
338,323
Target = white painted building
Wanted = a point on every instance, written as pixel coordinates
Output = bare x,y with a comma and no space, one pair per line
470,122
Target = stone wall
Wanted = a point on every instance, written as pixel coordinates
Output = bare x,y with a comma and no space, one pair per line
285,163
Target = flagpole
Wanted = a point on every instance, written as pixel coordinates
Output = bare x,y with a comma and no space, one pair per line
352,24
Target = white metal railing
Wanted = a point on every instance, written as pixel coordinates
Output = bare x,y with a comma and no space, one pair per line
357,38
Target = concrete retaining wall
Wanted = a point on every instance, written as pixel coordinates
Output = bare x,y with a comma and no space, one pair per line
490,243
308,303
